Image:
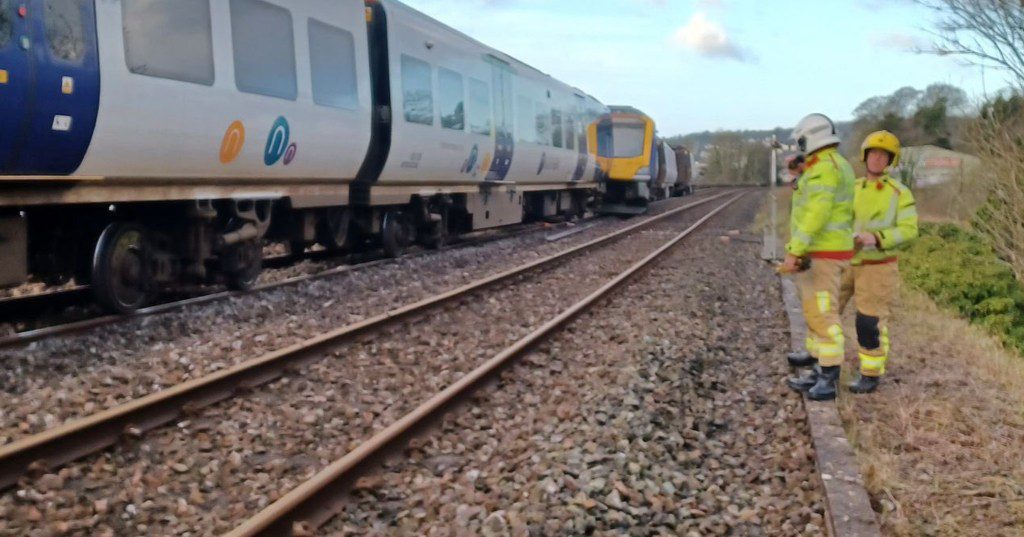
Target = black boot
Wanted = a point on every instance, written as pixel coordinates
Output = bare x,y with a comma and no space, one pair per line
801,359
825,388
805,382
864,384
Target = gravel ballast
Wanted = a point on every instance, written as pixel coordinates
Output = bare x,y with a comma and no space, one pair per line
211,471
662,412
55,380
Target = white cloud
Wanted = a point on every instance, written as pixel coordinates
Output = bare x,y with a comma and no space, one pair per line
708,38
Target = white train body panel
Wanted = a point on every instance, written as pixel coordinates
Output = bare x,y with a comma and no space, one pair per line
424,153
671,168
150,127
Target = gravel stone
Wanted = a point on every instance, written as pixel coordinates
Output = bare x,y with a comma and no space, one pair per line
52,381
234,458
683,425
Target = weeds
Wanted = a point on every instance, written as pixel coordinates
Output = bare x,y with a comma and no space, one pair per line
959,270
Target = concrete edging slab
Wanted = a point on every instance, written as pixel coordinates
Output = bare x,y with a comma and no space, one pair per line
848,510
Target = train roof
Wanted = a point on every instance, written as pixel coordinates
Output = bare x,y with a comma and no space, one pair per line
621,109
410,11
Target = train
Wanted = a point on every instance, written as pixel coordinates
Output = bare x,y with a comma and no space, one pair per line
638,166
132,164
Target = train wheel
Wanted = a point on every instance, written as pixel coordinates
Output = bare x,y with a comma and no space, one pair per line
332,229
395,233
242,264
122,268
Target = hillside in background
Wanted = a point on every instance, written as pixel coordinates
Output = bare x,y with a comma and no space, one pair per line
697,141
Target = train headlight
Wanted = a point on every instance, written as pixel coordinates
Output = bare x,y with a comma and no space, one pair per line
643,173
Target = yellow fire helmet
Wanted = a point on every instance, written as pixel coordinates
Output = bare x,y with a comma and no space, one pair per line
883,140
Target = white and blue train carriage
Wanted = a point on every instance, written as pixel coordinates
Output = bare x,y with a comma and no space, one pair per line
145,143
476,138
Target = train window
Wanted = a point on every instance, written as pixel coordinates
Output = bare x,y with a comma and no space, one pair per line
556,128
418,91
480,113
452,97
525,124
543,122
65,29
629,139
263,40
332,60
185,49
6,22
570,132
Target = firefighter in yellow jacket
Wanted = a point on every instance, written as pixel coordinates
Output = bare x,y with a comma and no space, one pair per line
820,248
885,217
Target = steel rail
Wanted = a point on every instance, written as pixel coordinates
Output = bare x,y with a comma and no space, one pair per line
315,501
81,294
77,438
13,306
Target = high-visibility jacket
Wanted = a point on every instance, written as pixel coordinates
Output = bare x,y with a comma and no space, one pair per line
887,209
821,224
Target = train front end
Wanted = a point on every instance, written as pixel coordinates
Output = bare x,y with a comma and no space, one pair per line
625,144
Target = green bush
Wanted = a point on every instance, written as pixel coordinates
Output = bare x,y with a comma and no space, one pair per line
958,270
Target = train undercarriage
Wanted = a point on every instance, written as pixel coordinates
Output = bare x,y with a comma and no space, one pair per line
128,253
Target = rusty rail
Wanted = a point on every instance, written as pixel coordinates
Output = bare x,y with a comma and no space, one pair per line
315,501
82,295
77,438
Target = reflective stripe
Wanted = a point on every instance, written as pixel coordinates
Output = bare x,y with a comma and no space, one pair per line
896,235
837,226
811,345
818,188
894,205
829,350
876,225
801,236
884,337
824,301
833,348
872,366
908,212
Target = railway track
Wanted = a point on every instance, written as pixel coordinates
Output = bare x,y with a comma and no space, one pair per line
12,308
315,501
75,439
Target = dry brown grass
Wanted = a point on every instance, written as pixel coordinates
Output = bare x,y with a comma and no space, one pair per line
956,201
941,444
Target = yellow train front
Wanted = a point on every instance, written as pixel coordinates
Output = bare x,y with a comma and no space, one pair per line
625,144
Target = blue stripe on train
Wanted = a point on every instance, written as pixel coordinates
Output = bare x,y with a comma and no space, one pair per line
49,102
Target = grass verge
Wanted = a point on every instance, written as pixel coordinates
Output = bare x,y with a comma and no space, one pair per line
940,444
956,269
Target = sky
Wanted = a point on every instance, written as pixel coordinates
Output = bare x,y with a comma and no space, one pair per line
696,65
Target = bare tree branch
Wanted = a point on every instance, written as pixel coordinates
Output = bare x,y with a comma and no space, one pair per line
987,32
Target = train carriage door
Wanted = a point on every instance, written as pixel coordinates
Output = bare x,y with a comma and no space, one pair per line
580,137
504,145
49,95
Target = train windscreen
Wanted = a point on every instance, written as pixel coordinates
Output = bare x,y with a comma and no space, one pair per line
629,139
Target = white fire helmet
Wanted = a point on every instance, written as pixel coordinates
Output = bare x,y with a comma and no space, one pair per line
814,132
